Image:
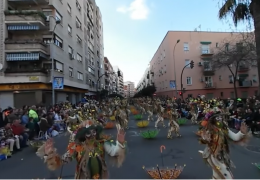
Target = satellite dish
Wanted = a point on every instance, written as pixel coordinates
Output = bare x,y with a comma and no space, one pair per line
1,66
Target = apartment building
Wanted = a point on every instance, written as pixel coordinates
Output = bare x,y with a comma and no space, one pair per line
145,80
119,80
179,48
35,32
110,79
129,89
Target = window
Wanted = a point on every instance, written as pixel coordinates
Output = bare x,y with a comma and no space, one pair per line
189,81
187,62
58,66
254,78
78,6
208,81
186,46
221,94
207,66
58,16
89,81
232,95
69,29
90,70
79,40
69,9
70,72
58,41
78,23
47,13
47,40
220,78
70,50
217,45
79,58
231,79
227,46
80,76
205,49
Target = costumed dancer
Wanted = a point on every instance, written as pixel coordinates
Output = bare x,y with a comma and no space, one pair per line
173,125
160,118
121,121
193,113
215,136
88,148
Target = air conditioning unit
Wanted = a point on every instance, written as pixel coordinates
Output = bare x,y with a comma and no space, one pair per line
48,18
201,80
200,64
72,57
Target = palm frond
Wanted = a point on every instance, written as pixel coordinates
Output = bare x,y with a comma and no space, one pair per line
227,8
241,13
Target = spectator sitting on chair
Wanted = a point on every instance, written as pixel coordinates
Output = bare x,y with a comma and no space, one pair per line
6,134
44,126
19,130
25,118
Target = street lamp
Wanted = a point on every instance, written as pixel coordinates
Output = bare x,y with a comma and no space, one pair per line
52,59
175,66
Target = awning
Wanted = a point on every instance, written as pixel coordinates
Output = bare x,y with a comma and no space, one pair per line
205,43
24,56
22,27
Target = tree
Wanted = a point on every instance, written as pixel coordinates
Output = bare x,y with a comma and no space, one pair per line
147,91
235,53
244,10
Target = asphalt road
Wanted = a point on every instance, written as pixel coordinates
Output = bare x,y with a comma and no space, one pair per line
184,150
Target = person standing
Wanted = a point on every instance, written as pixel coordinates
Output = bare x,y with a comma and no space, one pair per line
33,114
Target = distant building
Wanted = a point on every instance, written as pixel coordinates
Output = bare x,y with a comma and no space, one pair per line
129,89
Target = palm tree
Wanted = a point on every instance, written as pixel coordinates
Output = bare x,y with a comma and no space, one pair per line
244,10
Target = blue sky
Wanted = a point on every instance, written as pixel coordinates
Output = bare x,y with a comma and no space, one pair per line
133,29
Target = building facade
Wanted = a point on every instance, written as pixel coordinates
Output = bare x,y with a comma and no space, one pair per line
43,30
145,80
110,78
177,49
129,89
119,80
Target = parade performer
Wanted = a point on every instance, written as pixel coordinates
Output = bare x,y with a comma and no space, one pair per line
193,111
160,116
215,135
173,125
88,148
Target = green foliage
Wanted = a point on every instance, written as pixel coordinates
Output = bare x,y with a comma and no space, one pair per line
116,95
182,121
147,91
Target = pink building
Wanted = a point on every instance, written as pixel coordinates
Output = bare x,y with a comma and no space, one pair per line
196,46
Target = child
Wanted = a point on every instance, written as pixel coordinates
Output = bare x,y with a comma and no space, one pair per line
31,128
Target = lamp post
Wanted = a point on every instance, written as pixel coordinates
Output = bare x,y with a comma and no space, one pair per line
176,90
52,59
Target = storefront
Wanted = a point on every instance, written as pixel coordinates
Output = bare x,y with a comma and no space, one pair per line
17,95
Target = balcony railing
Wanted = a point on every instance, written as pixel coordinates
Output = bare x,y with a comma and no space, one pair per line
209,85
25,17
245,83
27,46
208,72
26,70
206,52
243,68
28,2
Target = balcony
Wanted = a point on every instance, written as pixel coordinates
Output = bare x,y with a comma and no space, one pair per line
243,68
25,70
206,52
14,3
209,85
208,72
25,20
26,46
245,83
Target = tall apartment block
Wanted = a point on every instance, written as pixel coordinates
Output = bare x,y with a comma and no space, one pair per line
129,89
35,32
177,49
110,78
119,81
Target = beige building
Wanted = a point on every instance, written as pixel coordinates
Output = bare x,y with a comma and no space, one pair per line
27,50
199,47
129,89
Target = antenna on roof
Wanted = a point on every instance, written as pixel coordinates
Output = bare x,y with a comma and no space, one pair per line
199,27
195,29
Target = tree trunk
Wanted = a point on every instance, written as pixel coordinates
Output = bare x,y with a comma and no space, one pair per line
256,17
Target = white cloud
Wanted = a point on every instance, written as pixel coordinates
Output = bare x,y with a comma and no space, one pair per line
137,10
